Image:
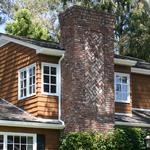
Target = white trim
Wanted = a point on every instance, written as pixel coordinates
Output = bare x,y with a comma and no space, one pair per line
132,124
27,84
140,71
141,109
3,42
39,49
128,81
125,62
6,134
124,114
57,78
31,124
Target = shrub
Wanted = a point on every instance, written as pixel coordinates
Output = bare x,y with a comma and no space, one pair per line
119,139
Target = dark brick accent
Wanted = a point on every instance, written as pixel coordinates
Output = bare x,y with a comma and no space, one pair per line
87,69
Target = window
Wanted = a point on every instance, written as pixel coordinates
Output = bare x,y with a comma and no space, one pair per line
17,141
26,82
122,87
50,76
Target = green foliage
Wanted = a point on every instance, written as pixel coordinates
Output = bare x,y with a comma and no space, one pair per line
119,139
24,26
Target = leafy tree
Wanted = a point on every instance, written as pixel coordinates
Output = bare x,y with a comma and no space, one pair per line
22,25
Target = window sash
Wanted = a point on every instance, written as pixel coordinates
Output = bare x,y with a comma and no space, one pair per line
122,87
50,78
26,84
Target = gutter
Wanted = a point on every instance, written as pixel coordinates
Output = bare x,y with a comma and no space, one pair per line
38,125
125,62
143,125
59,97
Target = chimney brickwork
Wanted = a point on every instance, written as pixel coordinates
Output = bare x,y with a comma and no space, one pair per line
87,69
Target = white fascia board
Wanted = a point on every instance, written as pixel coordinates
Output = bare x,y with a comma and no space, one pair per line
31,125
141,109
124,62
130,124
123,114
39,49
140,71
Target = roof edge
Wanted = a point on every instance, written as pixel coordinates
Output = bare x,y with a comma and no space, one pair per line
126,62
26,124
143,125
39,49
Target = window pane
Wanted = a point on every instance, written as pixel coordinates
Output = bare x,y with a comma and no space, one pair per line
9,146
53,79
1,146
118,87
10,139
124,96
21,75
53,70
24,83
30,147
17,139
118,79
25,93
30,140
124,79
46,88
46,70
21,93
30,90
1,138
16,147
33,70
33,79
46,79
23,147
23,140
24,74
118,96
124,88
30,72
33,90
53,89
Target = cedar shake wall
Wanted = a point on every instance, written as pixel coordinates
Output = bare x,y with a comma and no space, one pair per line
124,107
51,136
141,91
14,57
88,70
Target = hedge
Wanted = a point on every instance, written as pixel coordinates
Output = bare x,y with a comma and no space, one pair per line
119,139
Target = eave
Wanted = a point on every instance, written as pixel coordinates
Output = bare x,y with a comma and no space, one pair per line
39,50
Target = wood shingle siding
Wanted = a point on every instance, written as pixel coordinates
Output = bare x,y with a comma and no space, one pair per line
141,91
14,57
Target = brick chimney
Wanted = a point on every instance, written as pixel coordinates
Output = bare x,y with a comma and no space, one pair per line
87,69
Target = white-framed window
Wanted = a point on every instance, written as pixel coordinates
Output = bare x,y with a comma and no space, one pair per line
17,141
122,87
50,78
26,82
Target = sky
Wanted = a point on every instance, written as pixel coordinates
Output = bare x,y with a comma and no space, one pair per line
2,28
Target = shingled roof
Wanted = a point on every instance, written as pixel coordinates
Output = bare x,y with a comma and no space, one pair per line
42,43
11,112
138,118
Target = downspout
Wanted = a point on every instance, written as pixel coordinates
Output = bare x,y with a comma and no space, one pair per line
59,98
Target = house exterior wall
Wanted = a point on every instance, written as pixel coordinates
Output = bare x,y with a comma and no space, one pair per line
14,57
51,136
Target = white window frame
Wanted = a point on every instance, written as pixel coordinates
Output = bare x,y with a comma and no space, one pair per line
6,134
128,84
57,78
27,84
